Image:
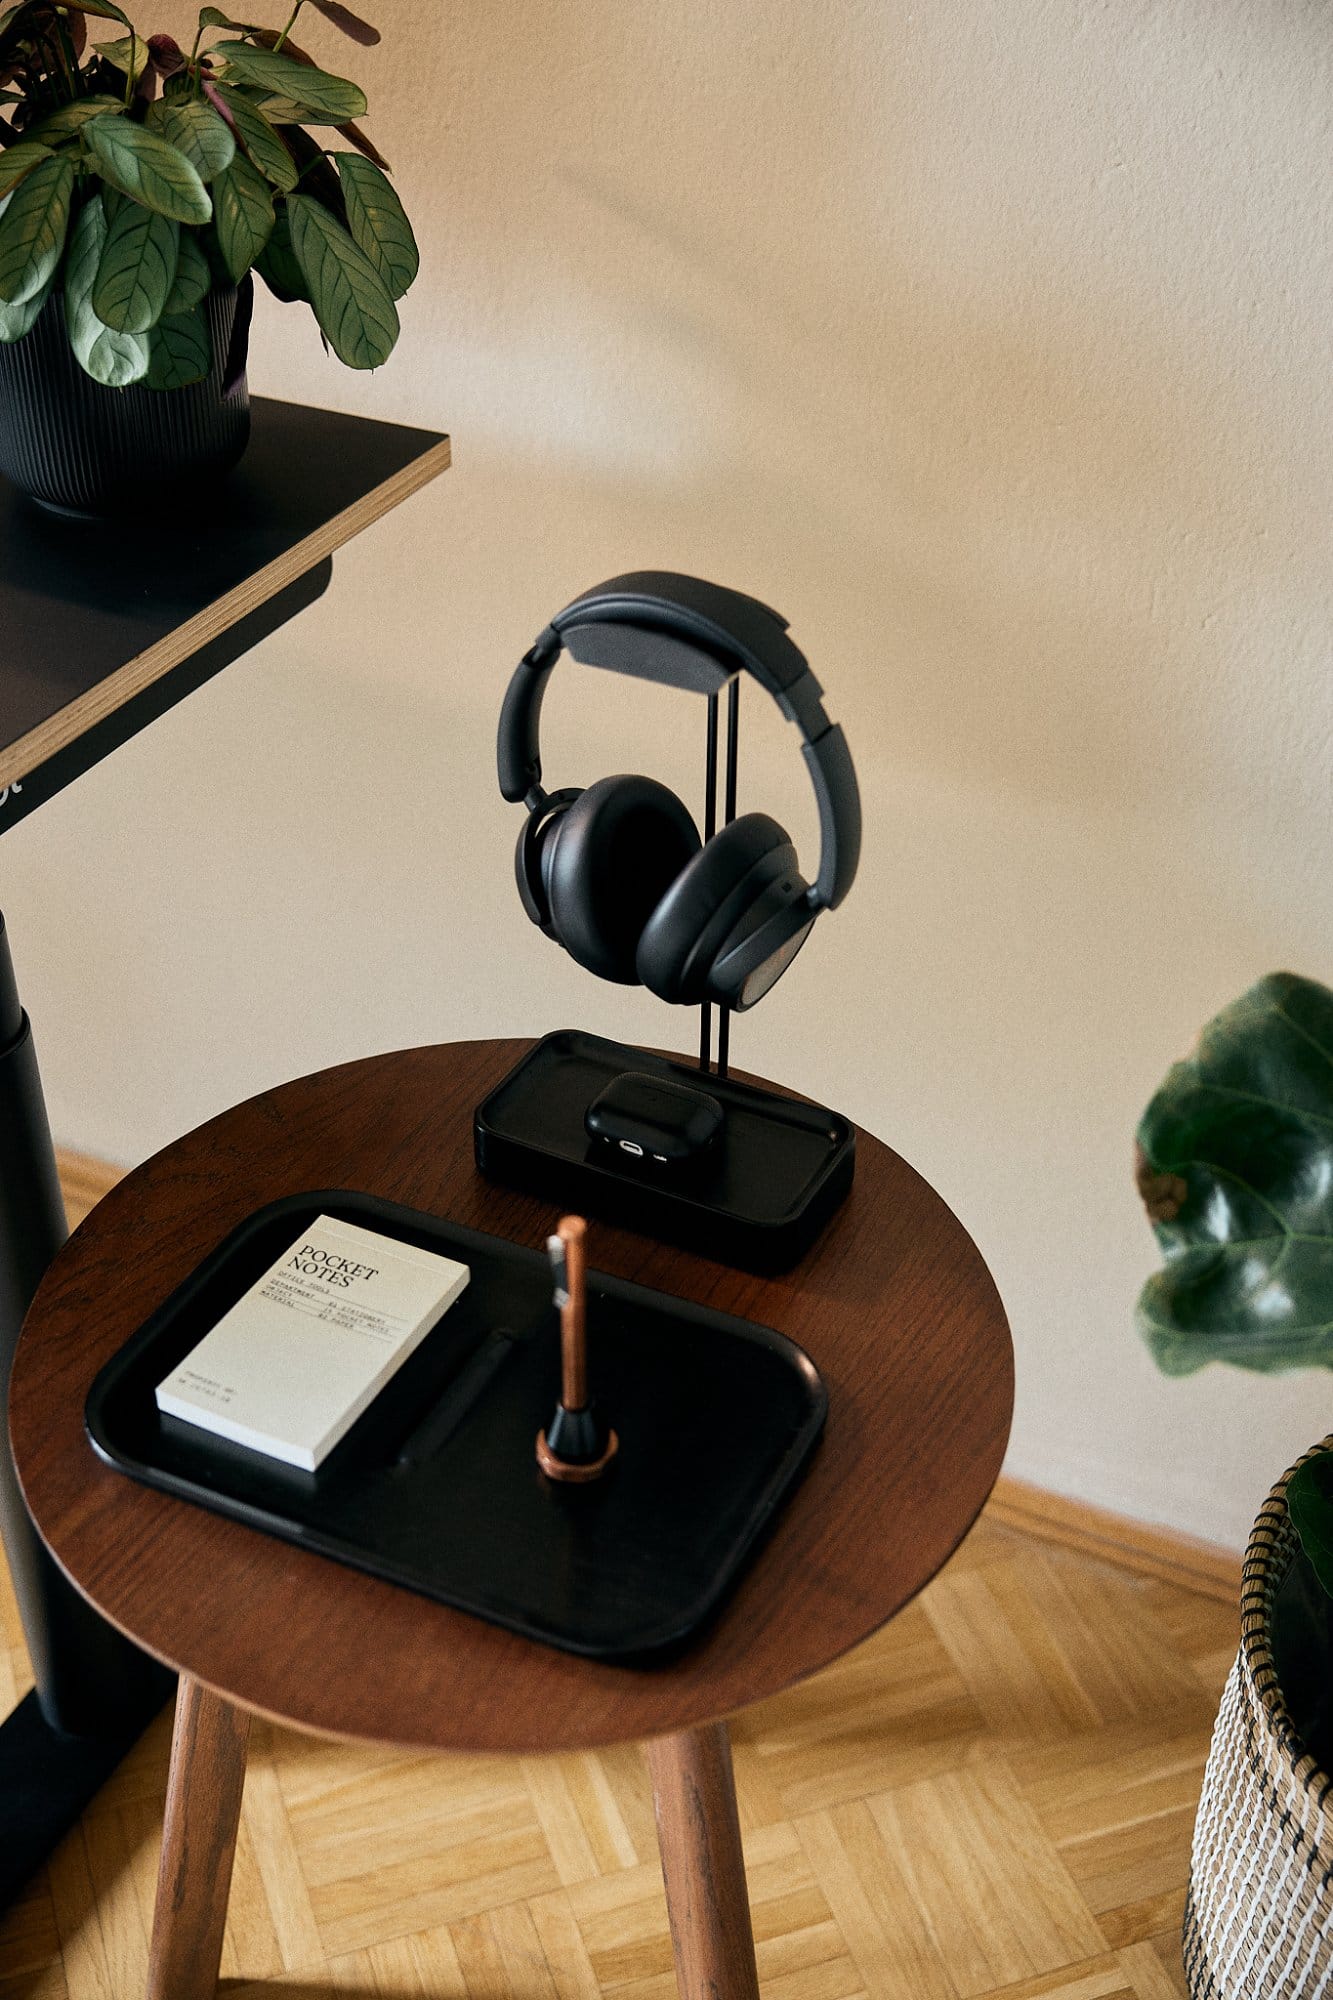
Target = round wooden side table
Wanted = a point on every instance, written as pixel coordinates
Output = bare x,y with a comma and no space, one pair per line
894,1304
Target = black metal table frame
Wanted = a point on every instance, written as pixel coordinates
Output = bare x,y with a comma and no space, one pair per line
94,1692
91,658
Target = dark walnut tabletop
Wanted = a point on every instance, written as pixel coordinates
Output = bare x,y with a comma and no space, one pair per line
894,1304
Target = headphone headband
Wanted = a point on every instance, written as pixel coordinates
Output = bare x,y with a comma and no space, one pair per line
683,632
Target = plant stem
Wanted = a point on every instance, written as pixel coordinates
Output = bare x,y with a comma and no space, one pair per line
290,25
311,166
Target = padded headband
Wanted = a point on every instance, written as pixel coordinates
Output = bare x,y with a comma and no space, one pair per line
678,630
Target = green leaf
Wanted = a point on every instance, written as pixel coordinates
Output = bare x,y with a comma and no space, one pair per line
20,160
1310,1504
103,9
114,359
322,99
260,140
242,215
378,224
282,111
195,130
33,223
136,270
278,266
193,280
1237,1172
351,300
130,54
213,17
142,165
71,118
15,321
180,351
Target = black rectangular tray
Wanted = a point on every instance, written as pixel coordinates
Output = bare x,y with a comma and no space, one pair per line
757,1199
436,1487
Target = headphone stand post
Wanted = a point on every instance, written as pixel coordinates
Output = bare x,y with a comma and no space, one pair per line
720,1067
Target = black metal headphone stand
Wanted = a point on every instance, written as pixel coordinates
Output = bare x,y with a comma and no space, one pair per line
760,1194
706,1061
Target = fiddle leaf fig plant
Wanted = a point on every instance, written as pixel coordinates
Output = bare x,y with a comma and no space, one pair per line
1235,1168
135,177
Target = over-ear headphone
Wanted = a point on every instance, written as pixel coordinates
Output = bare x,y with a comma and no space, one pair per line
617,874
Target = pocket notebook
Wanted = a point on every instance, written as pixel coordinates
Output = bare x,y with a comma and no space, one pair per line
290,1367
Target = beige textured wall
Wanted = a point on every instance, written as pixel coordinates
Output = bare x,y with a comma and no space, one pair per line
990,341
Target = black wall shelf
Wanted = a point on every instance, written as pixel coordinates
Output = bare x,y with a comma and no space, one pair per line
107,625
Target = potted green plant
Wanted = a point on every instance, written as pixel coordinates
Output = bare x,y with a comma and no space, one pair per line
1235,1166
140,185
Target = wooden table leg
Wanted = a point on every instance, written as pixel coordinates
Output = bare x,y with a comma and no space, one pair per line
699,1834
198,1844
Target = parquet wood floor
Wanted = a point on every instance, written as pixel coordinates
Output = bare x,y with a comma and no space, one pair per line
992,1800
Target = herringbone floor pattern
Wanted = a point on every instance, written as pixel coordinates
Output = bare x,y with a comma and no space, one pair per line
990,1801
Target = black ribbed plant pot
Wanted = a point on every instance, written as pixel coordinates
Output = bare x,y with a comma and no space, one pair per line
78,448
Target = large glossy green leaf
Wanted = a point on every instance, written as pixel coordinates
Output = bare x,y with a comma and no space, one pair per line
129,54
260,141
71,117
195,130
1310,1504
242,216
281,110
321,98
105,10
114,359
136,270
378,224
180,351
15,321
1236,1169
213,17
351,300
278,266
142,165
193,280
33,223
19,161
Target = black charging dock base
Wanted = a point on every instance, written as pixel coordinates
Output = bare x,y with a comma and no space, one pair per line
757,1198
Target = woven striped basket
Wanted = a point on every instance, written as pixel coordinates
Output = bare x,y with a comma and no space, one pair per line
1259,1911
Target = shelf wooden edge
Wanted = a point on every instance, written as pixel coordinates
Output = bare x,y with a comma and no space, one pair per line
69,723
1162,1554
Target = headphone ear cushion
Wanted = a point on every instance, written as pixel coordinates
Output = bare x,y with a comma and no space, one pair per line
530,856
606,865
699,913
